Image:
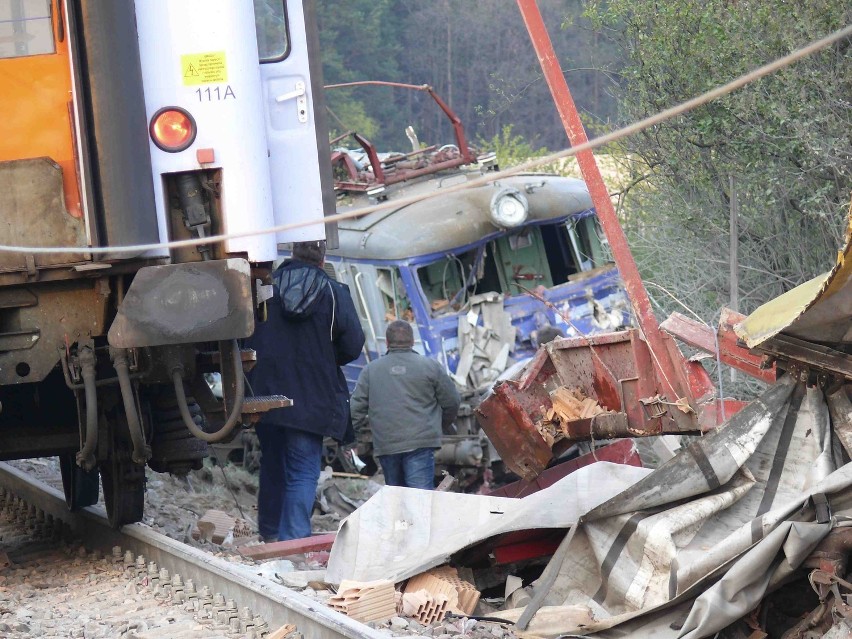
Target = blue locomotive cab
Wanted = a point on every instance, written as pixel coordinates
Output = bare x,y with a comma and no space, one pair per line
480,295
484,273
481,292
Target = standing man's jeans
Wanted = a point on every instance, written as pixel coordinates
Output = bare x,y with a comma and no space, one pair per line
415,469
289,472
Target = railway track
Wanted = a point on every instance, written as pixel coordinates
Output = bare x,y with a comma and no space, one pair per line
68,574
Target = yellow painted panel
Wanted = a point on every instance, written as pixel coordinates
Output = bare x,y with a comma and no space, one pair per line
819,310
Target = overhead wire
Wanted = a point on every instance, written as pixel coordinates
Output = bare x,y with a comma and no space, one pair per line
603,140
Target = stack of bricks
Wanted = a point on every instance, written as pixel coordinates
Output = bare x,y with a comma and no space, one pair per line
424,606
365,600
462,596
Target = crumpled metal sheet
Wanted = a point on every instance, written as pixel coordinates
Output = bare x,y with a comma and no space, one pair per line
682,551
723,507
816,311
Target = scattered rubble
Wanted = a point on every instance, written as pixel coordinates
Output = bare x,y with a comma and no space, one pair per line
219,528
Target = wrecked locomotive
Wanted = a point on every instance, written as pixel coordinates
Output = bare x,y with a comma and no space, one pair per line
126,125
483,274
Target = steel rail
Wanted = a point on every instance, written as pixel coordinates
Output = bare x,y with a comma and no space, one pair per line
275,603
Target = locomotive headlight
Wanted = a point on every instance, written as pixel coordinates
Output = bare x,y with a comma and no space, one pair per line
509,208
172,129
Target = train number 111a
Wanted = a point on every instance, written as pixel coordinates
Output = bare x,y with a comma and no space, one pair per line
212,94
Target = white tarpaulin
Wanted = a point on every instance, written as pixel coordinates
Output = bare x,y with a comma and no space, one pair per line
725,505
684,550
401,532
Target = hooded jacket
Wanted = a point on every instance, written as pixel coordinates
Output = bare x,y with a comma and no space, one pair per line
311,330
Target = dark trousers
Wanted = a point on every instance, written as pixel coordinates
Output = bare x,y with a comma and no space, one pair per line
289,471
415,469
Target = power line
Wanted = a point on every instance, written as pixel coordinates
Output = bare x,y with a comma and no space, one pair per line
618,134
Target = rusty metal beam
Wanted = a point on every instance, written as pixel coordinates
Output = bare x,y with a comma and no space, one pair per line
701,336
810,355
663,365
288,547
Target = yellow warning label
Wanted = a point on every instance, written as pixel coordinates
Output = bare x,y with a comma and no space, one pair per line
203,68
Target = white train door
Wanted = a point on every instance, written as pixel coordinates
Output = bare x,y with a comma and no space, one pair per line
299,157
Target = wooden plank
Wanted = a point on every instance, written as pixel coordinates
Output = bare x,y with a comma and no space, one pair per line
290,547
284,631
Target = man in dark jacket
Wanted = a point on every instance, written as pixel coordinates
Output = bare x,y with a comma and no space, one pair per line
312,329
406,399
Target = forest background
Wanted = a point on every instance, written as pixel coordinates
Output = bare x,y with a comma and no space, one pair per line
769,166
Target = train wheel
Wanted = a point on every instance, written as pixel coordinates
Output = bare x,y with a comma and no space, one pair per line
124,488
80,486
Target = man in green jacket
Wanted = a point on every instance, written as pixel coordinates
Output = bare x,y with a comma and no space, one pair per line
406,399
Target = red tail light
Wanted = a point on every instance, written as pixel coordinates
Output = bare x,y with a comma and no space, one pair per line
172,129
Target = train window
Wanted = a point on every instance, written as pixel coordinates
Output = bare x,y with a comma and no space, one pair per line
397,305
442,280
559,243
270,20
26,28
546,255
586,240
451,280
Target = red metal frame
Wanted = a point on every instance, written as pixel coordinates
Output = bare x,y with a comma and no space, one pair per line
615,369
662,362
383,178
700,336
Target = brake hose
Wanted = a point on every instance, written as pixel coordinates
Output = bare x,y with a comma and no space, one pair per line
85,456
236,410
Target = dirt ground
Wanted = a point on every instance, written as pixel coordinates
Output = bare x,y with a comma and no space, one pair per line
173,504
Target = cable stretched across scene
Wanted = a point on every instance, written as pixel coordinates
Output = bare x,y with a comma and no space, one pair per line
618,134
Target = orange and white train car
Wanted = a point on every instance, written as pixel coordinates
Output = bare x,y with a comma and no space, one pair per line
125,126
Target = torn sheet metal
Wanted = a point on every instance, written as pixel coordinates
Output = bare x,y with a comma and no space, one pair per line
722,342
401,532
486,337
724,506
616,370
816,311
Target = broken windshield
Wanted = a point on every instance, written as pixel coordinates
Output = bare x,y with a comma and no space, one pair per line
534,256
